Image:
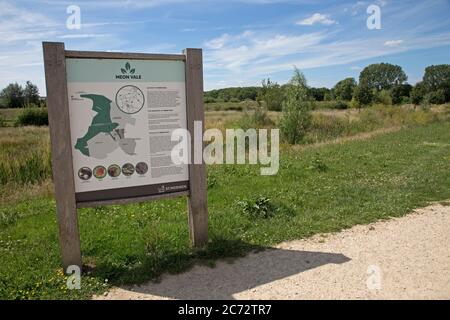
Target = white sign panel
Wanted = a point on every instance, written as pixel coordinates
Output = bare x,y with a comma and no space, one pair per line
122,114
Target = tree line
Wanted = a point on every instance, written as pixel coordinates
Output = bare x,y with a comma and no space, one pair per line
378,83
17,96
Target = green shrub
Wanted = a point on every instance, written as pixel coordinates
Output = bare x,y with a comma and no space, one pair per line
32,117
418,93
405,100
343,90
436,97
261,207
400,92
209,100
2,121
341,105
272,94
318,164
296,118
383,97
363,95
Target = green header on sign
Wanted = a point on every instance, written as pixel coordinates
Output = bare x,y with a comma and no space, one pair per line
119,70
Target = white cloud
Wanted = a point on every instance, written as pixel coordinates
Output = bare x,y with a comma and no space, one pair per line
254,57
18,24
237,52
357,7
355,68
317,18
218,43
393,43
83,36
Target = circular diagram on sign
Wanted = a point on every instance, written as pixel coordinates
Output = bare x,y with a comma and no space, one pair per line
130,99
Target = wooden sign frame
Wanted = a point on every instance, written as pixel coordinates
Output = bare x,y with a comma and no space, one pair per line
62,163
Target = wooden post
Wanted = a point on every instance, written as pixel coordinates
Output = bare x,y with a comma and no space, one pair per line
58,113
197,201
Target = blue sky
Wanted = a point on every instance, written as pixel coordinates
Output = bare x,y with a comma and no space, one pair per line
244,41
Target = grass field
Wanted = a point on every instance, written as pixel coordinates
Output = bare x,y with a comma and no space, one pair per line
318,189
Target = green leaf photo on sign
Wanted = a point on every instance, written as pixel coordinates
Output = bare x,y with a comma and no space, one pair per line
123,70
127,66
132,71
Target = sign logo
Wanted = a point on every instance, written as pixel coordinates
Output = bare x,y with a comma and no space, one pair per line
128,73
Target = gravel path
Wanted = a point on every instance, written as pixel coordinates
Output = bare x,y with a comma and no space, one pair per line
402,258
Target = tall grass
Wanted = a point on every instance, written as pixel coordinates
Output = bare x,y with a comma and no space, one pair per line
326,127
25,151
24,155
32,116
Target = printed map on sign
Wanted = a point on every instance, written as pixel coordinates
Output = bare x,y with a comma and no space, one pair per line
107,130
122,115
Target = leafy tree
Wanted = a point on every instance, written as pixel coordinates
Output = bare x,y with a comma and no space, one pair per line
319,94
418,93
227,94
363,95
329,96
400,92
272,94
438,78
296,117
13,96
382,76
435,97
343,90
31,93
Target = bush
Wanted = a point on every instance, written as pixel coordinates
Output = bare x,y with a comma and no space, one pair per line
261,207
272,94
418,93
209,100
363,95
32,117
318,164
405,100
296,118
2,121
331,105
400,93
328,96
341,105
383,97
343,90
436,97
